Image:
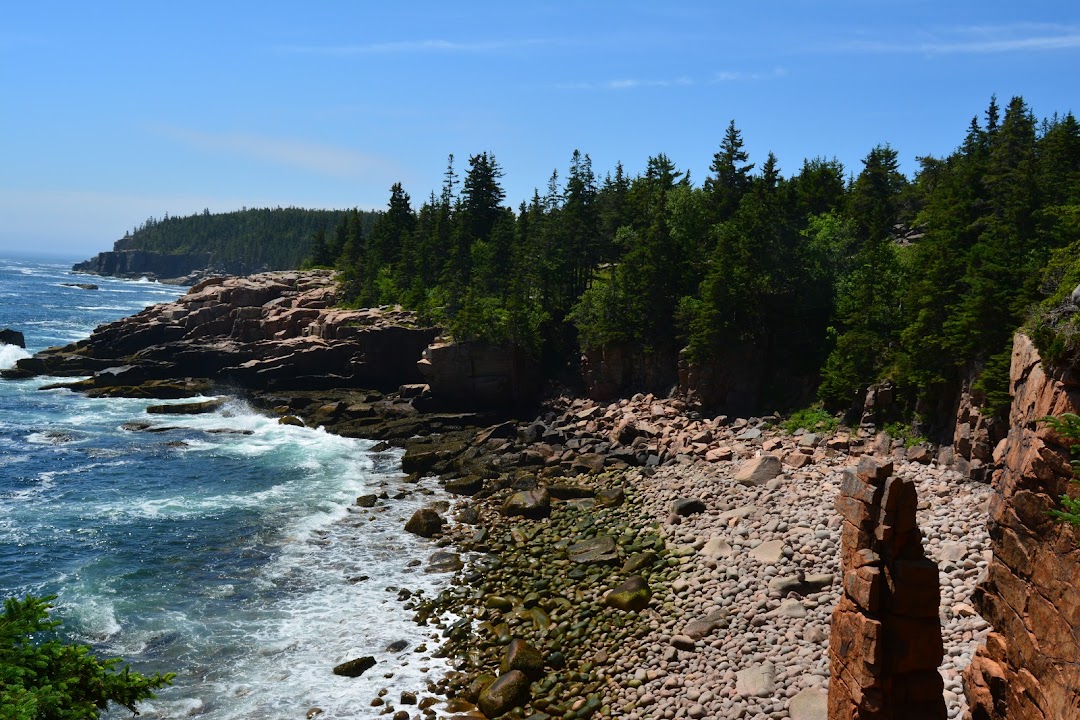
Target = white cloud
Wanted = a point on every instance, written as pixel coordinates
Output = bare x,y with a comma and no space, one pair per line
979,40
416,46
320,159
681,81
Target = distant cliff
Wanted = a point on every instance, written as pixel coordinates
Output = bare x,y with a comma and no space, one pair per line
146,263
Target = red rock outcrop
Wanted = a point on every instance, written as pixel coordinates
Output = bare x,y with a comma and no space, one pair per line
621,368
479,375
1029,668
271,330
885,645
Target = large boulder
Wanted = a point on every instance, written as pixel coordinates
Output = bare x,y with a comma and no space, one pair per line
631,596
425,522
600,549
759,470
532,504
522,656
356,667
510,690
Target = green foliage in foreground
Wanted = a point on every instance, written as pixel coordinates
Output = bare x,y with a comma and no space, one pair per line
814,419
1068,427
43,678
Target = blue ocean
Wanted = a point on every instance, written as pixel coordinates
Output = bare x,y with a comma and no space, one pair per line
226,549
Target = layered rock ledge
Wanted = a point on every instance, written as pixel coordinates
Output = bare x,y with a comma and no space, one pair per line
270,331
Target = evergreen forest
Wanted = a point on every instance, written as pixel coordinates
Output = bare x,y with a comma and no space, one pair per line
240,242
840,276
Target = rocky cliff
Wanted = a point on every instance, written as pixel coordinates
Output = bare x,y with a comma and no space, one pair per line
269,331
145,263
1029,668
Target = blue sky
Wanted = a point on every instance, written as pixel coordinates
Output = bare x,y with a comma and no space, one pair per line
116,111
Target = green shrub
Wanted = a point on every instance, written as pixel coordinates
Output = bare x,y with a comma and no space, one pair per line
902,431
1068,427
44,678
814,418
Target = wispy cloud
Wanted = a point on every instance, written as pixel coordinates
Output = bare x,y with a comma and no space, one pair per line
978,40
316,158
406,47
681,81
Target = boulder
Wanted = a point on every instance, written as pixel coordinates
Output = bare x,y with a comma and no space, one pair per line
610,497
12,337
532,504
684,507
195,408
631,596
759,470
425,522
600,549
705,626
522,656
810,704
756,681
510,690
355,668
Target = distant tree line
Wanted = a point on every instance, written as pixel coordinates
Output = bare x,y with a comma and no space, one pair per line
243,241
852,278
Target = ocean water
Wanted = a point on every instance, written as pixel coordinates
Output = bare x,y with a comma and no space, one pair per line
235,559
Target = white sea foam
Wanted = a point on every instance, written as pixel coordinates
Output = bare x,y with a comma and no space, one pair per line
10,354
308,609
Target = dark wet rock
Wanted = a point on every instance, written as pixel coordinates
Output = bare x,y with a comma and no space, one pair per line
641,561
632,595
408,698
468,485
12,337
425,522
229,431
442,562
588,463
532,504
366,501
81,286
570,492
522,656
685,507
600,549
355,668
510,690
195,408
397,646
468,516
611,497
290,420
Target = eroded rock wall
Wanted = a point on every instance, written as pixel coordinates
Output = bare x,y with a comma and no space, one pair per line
1029,668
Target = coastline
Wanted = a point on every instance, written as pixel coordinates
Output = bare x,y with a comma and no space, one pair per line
721,634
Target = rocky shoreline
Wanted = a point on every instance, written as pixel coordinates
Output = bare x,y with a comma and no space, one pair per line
633,559
742,574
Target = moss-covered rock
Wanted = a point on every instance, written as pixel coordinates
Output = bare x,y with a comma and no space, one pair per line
632,596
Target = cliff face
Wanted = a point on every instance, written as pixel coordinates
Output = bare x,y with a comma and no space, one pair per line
1029,668
144,263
